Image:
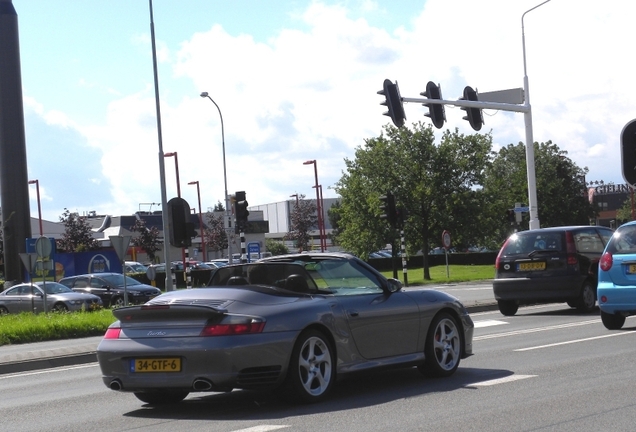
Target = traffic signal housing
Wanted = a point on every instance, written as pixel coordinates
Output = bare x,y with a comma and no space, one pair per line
473,115
180,228
510,216
387,205
436,111
628,152
241,212
393,101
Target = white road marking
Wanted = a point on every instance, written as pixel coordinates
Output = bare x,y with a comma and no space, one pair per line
488,323
575,341
537,329
263,428
508,379
43,371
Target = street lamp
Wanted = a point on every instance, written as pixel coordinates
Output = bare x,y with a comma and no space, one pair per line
295,195
321,226
176,165
37,189
532,181
200,218
227,198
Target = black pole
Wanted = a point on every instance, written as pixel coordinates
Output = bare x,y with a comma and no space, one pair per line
14,190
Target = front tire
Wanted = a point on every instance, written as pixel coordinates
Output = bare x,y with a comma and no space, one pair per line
3,310
312,369
161,397
508,307
612,321
587,298
117,302
60,307
443,348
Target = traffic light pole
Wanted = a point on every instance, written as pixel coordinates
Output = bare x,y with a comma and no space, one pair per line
527,111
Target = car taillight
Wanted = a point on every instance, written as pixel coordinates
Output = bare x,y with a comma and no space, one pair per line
607,260
232,329
112,333
498,260
570,248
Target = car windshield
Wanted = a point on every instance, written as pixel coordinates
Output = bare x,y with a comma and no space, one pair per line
118,280
55,288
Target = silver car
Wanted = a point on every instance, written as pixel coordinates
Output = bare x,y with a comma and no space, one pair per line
29,297
292,323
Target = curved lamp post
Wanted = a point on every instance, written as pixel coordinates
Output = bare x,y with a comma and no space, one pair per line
321,225
196,182
37,189
227,198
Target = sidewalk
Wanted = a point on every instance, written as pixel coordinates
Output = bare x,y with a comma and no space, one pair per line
69,352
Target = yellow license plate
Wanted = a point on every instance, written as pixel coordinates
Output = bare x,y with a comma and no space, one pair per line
169,364
532,266
632,268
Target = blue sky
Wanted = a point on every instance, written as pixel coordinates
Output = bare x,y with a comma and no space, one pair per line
296,81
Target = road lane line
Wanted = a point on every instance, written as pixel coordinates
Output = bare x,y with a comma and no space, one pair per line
488,323
43,371
507,379
535,330
575,341
263,428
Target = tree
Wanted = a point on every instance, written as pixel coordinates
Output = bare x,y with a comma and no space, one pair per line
436,185
333,214
148,238
78,235
218,207
561,192
303,218
215,234
276,247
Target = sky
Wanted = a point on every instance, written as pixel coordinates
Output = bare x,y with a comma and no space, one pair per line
296,80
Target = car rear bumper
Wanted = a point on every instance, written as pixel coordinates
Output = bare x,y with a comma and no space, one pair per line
621,299
537,289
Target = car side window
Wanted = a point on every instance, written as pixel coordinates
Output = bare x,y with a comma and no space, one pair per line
13,291
343,278
588,241
80,283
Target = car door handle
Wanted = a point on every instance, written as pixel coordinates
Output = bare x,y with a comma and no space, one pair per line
353,313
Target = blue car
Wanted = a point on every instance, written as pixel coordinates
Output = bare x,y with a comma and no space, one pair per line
617,277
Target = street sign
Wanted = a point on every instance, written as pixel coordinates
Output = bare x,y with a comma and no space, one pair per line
522,209
446,239
120,244
43,247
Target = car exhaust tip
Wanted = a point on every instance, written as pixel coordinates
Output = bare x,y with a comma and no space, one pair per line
202,384
115,385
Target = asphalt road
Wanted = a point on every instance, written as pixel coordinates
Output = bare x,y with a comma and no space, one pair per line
548,368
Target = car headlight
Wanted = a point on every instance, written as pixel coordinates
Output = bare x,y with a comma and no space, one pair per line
76,302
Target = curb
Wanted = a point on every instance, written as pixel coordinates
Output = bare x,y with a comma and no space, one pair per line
49,362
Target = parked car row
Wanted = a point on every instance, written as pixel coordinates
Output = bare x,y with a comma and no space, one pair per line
111,288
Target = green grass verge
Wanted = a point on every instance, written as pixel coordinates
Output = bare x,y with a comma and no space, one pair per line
28,327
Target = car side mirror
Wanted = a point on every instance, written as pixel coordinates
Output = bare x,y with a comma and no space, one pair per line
394,285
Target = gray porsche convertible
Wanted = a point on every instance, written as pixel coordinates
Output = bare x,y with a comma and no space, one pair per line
292,323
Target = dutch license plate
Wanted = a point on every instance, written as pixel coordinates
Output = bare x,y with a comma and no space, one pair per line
170,364
632,268
531,266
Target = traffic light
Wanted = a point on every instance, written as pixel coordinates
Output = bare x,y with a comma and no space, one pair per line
473,115
510,215
628,152
178,221
241,212
388,208
400,215
393,101
436,112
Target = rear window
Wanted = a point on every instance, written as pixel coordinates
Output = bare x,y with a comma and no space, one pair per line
533,241
623,241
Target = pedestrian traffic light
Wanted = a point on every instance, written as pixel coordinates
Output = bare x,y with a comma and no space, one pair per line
178,218
393,101
436,111
387,205
241,212
628,152
473,115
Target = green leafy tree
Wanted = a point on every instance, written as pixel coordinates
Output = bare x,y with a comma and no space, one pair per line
276,247
218,207
303,219
333,214
215,235
561,192
435,184
148,238
624,214
78,235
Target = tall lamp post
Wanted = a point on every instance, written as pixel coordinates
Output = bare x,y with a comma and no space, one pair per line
532,181
227,197
196,182
321,226
37,189
176,167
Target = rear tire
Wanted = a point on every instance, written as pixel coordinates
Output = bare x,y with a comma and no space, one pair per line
3,310
508,307
158,397
312,369
612,321
587,298
117,302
